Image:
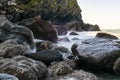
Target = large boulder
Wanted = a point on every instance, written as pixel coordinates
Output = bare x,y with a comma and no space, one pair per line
79,75
116,67
46,56
24,68
11,48
106,36
41,29
61,68
97,53
21,34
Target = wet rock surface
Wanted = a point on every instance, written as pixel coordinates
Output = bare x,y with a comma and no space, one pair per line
24,68
47,56
11,48
106,36
4,76
97,53
21,34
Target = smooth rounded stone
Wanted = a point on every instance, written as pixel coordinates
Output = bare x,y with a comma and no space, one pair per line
4,76
61,30
21,34
11,48
78,75
46,56
24,68
97,53
116,67
41,28
64,39
45,45
61,68
73,33
106,36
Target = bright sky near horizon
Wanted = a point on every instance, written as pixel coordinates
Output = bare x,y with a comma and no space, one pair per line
105,13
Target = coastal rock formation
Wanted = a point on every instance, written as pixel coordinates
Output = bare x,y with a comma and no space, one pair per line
21,34
97,53
59,12
116,67
41,29
106,36
46,56
11,48
24,68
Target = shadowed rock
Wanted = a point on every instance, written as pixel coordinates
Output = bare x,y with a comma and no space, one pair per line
46,56
41,29
106,36
21,34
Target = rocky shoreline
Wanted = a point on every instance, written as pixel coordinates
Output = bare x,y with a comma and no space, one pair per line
21,58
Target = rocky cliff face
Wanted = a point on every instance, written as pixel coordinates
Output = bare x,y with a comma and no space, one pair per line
59,12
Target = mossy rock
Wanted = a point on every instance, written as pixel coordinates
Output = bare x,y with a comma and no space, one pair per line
57,11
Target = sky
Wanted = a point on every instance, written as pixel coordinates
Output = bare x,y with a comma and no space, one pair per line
105,13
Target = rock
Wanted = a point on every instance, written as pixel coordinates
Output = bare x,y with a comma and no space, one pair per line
46,56
106,36
90,27
24,68
116,66
73,33
64,51
4,76
57,11
64,39
97,53
21,34
79,75
60,30
45,45
41,29
11,48
61,68
75,26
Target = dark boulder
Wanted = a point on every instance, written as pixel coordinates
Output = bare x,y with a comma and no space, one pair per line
11,48
64,39
90,27
116,67
73,33
24,68
106,36
46,56
4,76
75,26
60,30
97,53
21,34
41,29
